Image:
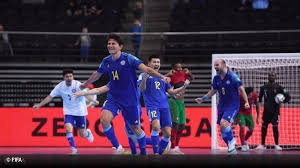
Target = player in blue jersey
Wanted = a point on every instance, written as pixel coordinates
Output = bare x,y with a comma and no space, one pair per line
228,84
156,101
121,69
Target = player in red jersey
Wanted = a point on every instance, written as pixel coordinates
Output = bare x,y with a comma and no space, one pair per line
178,74
245,118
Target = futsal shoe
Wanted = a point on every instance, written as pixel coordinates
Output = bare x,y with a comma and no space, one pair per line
245,148
260,147
277,147
118,151
91,137
231,147
166,151
176,151
74,151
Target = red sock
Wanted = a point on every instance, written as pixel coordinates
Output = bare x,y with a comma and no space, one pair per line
173,138
178,136
242,136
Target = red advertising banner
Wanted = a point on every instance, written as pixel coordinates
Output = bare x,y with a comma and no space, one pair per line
45,127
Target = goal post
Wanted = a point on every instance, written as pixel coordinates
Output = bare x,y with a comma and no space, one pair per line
253,70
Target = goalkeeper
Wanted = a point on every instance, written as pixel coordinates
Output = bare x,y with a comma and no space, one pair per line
271,109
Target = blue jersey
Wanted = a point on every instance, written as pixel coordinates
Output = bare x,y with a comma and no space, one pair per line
228,90
138,93
155,93
123,78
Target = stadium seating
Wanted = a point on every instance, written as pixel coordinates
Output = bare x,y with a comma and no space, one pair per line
51,17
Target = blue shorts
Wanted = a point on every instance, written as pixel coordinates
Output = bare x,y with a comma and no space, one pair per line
162,114
131,114
76,121
127,127
227,114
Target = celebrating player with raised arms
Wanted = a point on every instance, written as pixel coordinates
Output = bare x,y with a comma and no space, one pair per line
228,84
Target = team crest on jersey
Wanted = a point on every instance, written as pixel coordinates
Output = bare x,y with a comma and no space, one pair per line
73,90
227,82
122,62
107,66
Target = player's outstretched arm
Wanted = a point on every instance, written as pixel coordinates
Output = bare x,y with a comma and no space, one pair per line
208,95
152,72
95,76
94,91
92,101
180,89
43,102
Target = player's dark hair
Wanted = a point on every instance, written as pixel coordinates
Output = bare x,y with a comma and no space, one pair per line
248,90
115,37
67,71
153,56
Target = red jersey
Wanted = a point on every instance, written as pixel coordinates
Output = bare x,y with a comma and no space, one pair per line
178,76
252,100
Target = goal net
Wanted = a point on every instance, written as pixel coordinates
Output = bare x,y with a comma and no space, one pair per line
253,70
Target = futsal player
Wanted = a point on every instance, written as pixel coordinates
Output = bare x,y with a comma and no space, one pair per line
75,111
271,109
245,117
156,101
121,69
228,84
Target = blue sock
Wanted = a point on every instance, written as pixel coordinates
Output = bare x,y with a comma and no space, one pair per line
155,140
148,141
110,134
227,135
142,143
163,144
71,139
132,146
